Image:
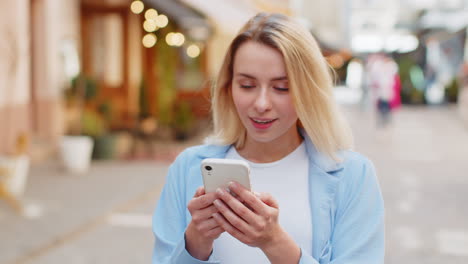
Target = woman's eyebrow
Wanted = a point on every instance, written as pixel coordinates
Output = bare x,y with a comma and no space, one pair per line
246,75
281,78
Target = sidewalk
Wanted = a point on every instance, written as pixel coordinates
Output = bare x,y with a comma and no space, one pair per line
103,216
421,161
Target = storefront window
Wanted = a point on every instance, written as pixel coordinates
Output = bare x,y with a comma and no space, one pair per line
107,49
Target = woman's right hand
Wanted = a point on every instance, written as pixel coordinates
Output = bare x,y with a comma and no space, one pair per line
203,228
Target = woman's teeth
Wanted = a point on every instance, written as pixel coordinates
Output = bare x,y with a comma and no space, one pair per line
263,121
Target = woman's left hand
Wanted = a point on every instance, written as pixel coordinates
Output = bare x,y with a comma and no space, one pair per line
254,221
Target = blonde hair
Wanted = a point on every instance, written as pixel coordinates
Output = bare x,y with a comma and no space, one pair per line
310,82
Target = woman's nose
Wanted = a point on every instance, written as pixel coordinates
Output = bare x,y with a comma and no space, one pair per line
263,101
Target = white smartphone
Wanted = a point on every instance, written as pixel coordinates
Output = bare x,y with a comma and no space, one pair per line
217,173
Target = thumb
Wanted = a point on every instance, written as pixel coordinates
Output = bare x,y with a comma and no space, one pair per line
199,192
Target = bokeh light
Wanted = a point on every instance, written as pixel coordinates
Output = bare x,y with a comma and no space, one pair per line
162,21
150,25
137,6
149,40
151,14
193,51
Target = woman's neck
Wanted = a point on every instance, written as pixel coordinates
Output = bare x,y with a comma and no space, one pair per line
260,152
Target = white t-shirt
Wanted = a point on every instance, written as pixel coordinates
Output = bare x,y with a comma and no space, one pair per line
287,181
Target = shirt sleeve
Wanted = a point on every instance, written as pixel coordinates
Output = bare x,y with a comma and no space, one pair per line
169,222
358,228
307,259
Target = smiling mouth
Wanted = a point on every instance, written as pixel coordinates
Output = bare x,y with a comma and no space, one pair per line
263,122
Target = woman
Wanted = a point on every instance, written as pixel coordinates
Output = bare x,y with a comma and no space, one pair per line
317,202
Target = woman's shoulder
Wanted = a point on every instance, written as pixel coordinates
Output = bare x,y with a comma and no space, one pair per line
356,168
353,158
198,152
358,181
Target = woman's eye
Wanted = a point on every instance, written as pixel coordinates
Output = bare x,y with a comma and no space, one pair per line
246,86
281,89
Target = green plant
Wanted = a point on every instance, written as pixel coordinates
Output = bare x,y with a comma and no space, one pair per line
143,100
82,89
183,119
451,91
412,81
92,124
166,65
79,96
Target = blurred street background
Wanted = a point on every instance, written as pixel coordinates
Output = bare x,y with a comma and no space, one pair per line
97,98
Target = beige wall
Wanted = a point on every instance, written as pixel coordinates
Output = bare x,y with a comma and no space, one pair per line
14,71
58,21
14,51
31,67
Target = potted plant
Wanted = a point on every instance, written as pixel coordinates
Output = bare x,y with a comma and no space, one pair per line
76,146
183,120
105,143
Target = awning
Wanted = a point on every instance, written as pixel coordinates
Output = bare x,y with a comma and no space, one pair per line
193,23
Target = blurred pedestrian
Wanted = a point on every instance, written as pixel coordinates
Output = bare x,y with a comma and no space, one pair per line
385,85
273,107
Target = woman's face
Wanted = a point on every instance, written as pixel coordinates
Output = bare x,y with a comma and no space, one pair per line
261,94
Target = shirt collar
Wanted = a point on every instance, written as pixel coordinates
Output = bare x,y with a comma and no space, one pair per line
320,159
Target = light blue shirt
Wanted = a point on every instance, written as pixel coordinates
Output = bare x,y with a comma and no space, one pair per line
345,198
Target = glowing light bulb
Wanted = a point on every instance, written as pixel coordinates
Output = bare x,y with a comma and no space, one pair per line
162,21
170,39
178,39
151,14
137,6
150,26
149,40
193,51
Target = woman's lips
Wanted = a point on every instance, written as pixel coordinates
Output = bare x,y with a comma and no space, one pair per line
262,123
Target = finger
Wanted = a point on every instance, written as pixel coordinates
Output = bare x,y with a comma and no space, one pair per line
228,227
201,202
268,200
204,200
207,212
249,198
236,196
232,217
238,207
215,232
200,191
208,224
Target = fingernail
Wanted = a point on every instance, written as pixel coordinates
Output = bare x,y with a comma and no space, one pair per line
219,191
217,203
232,184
